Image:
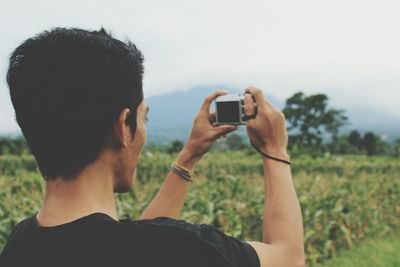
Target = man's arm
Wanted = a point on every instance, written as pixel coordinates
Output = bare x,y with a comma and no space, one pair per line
170,199
282,244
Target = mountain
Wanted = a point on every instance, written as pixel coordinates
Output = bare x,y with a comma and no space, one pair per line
171,116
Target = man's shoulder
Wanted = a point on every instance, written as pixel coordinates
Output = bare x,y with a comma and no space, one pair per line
180,232
174,227
209,245
20,227
165,223
160,227
16,234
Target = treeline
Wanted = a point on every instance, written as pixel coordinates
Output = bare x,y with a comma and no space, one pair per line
353,143
314,129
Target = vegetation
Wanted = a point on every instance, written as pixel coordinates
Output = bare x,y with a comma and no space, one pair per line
371,253
14,146
343,199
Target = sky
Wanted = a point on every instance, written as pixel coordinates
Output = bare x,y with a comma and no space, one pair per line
348,49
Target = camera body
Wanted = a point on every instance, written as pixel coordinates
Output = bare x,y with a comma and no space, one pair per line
229,109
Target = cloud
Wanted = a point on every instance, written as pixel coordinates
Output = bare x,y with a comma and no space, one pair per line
347,49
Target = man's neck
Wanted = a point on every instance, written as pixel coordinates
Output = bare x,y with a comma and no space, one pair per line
92,191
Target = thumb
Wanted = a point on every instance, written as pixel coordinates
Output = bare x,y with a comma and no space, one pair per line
224,129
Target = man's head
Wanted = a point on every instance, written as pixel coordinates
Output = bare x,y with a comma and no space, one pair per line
75,94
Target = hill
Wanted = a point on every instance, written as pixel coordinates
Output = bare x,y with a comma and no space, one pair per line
171,116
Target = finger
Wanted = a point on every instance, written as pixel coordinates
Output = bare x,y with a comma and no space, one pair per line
258,95
212,117
210,98
249,108
225,129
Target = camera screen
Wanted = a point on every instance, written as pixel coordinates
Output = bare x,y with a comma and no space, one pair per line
228,111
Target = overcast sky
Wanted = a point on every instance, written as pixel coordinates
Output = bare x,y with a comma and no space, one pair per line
348,49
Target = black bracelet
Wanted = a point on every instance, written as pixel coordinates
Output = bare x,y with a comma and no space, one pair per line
270,157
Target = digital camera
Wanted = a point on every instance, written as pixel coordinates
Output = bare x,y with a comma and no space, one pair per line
229,109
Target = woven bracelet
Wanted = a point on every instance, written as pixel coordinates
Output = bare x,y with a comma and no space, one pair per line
182,171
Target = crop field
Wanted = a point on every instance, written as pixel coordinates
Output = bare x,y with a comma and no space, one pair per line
344,200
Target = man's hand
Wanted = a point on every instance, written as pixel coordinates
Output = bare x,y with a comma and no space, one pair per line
267,131
169,200
204,131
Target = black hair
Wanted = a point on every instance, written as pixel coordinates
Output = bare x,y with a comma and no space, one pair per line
68,86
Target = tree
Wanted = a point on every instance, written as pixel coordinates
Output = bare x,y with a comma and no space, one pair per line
382,147
369,143
334,120
342,145
396,148
235,142
310,120
175,147
354,138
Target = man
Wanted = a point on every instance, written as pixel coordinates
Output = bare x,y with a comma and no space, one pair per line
79,102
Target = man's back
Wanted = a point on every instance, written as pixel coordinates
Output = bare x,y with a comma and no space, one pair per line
99,240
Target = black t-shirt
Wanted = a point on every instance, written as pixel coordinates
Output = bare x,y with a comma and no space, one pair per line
99,240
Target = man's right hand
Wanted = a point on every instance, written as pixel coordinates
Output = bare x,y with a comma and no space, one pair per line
267,131
282,243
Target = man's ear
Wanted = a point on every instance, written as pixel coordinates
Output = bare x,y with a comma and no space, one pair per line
122,131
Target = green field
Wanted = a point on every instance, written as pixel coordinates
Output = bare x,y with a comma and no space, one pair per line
370,253
344,200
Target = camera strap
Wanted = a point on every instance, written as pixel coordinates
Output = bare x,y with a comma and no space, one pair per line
252,116
249,117
270,157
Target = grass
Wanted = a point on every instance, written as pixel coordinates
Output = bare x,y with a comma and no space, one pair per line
370,253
